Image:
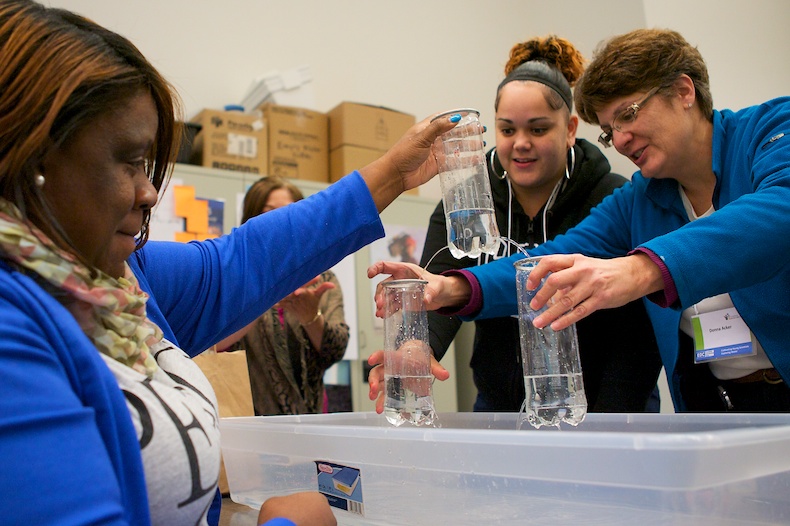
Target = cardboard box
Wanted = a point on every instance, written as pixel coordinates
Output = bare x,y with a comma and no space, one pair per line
229,376
375,127
230,140
345,159
298,142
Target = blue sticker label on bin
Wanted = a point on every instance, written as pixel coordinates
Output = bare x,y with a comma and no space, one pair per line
341,485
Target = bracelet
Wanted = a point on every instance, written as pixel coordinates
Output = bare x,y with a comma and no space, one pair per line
317,315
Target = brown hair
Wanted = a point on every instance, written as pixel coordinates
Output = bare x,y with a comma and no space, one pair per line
58,72
258,194
556,53
640,61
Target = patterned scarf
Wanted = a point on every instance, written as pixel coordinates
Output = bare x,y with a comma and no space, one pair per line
111,312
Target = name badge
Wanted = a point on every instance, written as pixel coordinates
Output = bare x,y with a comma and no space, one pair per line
719,335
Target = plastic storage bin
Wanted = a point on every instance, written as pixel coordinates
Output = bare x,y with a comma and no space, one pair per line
678,469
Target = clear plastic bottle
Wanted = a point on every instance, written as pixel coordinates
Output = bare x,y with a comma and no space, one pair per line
466,190
408,384
552,368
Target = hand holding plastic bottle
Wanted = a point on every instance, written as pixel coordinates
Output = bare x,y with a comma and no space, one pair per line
580,285
440,291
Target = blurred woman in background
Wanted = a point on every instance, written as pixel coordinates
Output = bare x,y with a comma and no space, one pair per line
290,347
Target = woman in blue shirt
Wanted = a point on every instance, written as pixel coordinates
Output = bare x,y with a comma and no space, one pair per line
104,418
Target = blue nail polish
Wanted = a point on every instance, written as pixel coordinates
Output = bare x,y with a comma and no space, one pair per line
455,118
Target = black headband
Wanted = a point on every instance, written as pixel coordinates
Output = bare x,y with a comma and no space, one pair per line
538,71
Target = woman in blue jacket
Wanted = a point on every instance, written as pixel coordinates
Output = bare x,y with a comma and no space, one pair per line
104,418
702,232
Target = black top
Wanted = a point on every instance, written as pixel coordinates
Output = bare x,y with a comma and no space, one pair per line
618,351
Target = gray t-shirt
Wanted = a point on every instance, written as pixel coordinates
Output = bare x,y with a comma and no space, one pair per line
176,418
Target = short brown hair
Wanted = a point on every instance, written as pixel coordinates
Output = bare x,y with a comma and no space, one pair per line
258,194
640,61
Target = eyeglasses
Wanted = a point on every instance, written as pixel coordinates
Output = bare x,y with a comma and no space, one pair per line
625,119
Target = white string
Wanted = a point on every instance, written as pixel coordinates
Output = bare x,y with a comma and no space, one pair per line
501,240
519,247
434,255
554,193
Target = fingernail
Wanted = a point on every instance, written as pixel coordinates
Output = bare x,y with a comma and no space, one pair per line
455,118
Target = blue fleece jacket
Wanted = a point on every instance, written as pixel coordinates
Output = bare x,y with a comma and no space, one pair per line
69,453
742,249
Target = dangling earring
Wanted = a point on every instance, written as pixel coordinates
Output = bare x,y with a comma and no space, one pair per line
571,161
492,166
39,180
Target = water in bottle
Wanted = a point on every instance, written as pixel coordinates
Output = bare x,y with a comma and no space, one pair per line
469,211
472,232
408,384
408,399
466,190
552,368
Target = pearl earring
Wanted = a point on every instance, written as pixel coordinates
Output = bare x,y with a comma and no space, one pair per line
39,180
689,105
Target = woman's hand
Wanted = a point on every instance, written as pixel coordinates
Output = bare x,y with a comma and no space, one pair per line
376,377
303,302
408,164
308,508
441,291
579,285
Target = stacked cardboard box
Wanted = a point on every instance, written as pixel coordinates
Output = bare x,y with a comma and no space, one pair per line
230,140
298,142
359,134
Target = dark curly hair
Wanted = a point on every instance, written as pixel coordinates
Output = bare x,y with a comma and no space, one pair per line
557,54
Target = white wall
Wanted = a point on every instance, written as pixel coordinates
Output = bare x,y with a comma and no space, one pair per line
423,56
416,56
742,42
